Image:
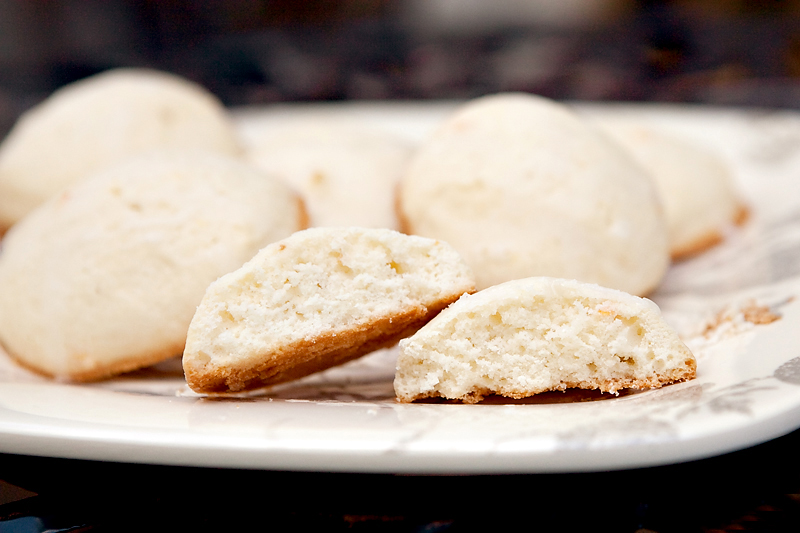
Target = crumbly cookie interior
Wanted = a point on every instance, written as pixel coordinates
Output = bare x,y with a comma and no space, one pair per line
546,344
318,299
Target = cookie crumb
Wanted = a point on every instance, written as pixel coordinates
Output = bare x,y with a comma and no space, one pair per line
734,319
759,314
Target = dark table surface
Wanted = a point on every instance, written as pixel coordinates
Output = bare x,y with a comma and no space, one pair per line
756,489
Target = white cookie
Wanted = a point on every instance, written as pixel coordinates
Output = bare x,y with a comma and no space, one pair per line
521,186
534,335
105,277
346,174
700,197
317,299
99,121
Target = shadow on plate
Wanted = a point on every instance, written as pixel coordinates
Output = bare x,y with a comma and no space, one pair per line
567,396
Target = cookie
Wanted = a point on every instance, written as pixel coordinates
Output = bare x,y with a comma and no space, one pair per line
347,174
99,121
541,334
317,299
701,201
105,277
522,186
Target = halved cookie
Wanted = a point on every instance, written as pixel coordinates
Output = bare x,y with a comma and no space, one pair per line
317,299
540,334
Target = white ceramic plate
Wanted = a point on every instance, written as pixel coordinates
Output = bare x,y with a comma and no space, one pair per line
747,390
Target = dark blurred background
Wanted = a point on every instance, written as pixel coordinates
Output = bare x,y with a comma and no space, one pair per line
726,52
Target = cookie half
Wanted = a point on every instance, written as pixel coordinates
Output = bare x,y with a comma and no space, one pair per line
317,299
541,334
